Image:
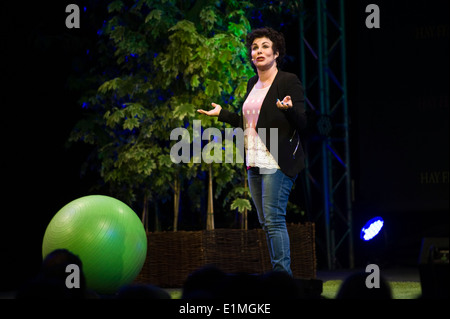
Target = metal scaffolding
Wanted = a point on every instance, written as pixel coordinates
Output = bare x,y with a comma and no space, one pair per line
328,183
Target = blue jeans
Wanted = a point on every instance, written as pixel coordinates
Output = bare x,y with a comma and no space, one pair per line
270,193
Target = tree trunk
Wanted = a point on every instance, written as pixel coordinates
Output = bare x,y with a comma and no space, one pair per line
176,202
145,213
157,219
244,224
210,209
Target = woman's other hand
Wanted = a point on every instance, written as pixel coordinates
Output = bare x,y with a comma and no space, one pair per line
285,104
213,112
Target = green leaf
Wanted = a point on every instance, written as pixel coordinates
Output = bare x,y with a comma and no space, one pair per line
241,204
183,110
195,82
115,6
130,123
154,15
241,90
164,160
186,27
213,88
113,118
110,85
208,17
134,110
241,190
237,29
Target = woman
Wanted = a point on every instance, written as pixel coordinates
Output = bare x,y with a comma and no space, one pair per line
274,100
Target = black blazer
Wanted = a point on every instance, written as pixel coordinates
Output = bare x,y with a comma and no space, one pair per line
290,122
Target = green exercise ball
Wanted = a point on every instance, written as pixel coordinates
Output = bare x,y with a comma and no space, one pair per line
107,236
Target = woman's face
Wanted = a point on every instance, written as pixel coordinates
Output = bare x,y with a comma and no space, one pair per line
262,53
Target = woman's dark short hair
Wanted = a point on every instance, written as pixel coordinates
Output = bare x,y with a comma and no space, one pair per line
276,37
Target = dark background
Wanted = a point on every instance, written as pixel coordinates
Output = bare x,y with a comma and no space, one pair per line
402,120
398,99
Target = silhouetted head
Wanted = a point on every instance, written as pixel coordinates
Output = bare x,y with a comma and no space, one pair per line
355,287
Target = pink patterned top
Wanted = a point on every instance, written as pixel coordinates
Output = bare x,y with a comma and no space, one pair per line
257,154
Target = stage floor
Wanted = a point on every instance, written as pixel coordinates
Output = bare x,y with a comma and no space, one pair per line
390,274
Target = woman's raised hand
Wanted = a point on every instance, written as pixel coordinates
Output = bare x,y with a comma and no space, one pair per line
213,112
285,104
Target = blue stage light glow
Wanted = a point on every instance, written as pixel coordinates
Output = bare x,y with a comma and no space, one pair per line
371,228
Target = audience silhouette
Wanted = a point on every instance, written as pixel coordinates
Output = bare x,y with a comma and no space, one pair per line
208,282
355,287
50,283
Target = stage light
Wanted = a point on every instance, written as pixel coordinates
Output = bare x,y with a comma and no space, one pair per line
371,228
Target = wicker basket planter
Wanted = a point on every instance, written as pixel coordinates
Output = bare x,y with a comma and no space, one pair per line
172,256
